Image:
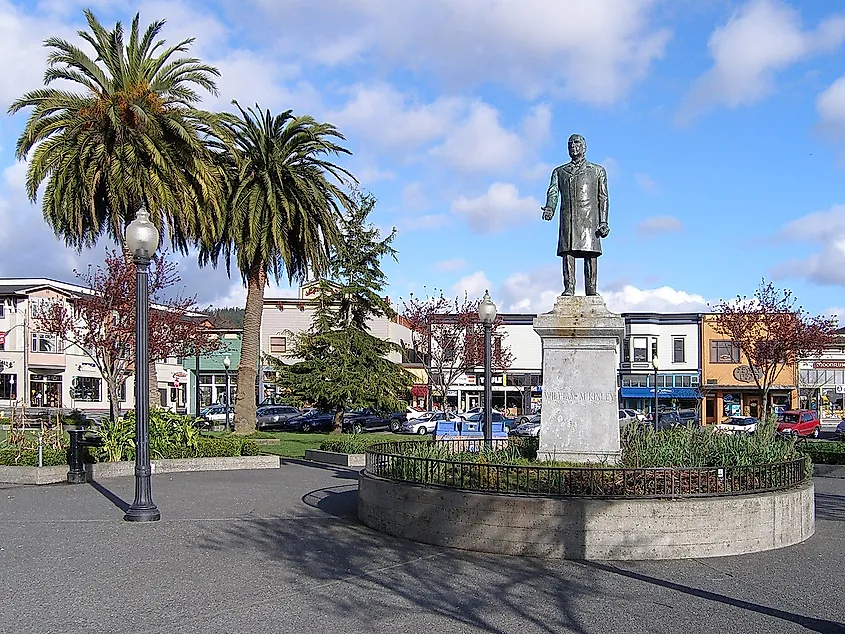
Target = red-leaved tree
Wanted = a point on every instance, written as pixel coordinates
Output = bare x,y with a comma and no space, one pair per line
772,332
101,320
447,339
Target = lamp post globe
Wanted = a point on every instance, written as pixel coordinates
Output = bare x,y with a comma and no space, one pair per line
142,240
227,362
487,315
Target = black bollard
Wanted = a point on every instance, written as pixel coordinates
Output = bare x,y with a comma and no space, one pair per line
76,474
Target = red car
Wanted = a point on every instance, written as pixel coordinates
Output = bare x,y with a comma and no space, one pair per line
799,422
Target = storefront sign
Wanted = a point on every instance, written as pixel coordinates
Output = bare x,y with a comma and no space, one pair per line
829,365
2,338
747,374
840,389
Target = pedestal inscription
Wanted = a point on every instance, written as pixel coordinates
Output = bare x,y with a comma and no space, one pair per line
580,417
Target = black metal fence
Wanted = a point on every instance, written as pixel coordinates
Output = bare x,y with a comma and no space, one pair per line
396,461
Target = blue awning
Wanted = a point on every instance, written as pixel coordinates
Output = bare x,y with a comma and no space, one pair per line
662,392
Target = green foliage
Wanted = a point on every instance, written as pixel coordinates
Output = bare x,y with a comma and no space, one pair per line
130,137
344,365
824,452
118,439
350,443
29,457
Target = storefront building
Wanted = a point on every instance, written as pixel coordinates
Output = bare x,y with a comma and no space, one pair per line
660,351
821,381
207,386
728,385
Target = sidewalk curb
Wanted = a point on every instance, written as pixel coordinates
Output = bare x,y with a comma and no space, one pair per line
829,471
100,470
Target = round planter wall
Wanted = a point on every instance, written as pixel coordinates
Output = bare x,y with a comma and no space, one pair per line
585,528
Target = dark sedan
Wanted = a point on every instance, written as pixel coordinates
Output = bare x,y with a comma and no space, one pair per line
840,430
275,417
312,420
361,420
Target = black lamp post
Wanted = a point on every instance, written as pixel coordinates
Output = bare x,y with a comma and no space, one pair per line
142,242
227,362
487,315
656,366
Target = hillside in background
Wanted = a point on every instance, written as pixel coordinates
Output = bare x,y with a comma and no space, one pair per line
226,317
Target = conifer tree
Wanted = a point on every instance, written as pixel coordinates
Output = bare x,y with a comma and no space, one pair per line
343,365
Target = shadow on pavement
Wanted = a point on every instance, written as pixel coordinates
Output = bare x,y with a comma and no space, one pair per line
346,473
830,507
340,501
813,624
111,497
344,560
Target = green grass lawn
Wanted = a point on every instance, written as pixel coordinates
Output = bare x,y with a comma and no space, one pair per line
293,444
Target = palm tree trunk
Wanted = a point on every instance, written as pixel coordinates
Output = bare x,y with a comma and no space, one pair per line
250,347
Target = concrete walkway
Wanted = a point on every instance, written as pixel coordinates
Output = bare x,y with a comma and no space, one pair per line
281,551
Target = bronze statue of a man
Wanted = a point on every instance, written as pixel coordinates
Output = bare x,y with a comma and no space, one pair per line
582,188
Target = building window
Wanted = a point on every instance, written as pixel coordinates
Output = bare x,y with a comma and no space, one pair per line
213,389
42,342
278,345
724,352
8,387
626,350
640,350
635,380
2,308
678,355
86,388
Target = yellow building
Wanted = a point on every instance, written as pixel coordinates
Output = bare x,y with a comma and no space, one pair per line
728,387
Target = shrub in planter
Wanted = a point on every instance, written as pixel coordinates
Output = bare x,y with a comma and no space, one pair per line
29,457
823,452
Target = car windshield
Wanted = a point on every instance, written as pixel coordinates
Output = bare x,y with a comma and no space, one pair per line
740,421
788,418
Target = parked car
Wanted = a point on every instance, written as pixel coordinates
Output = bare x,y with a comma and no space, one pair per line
665,420
217,413
840,430
412,412
526,418
361,420
689,417
627,416
425,424
527,429
312,420
275,417
799,422
738,425
496,418
470,412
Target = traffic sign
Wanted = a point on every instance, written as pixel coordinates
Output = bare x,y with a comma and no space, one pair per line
176,383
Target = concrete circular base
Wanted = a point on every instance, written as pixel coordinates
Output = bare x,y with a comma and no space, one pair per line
584,528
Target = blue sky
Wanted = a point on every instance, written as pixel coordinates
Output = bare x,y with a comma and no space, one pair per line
721,125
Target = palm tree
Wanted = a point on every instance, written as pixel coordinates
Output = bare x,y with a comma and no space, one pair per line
130,138
284,204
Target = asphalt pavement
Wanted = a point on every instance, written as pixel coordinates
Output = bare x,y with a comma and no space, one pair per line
281,550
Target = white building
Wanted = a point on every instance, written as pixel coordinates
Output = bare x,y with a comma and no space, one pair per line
821,381
284,317
674,339
39,370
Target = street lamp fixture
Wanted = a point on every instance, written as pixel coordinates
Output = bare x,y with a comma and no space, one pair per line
142,241
656,365
487,315
227,362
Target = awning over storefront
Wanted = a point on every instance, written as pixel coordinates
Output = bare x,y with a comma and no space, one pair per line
419,390
662,392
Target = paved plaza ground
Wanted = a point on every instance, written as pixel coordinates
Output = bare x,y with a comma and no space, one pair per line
281,551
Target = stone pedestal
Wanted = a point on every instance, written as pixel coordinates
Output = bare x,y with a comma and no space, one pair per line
580,416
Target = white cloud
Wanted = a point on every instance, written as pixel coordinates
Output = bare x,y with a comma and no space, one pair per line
836,311
760,39
830,106
473,285
392,120
824,230
659,224
414,196
664,299
531,292
449,266
646,183
587,50
500,207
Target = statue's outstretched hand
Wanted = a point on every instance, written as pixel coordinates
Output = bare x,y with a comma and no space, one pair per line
548,213
604,230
